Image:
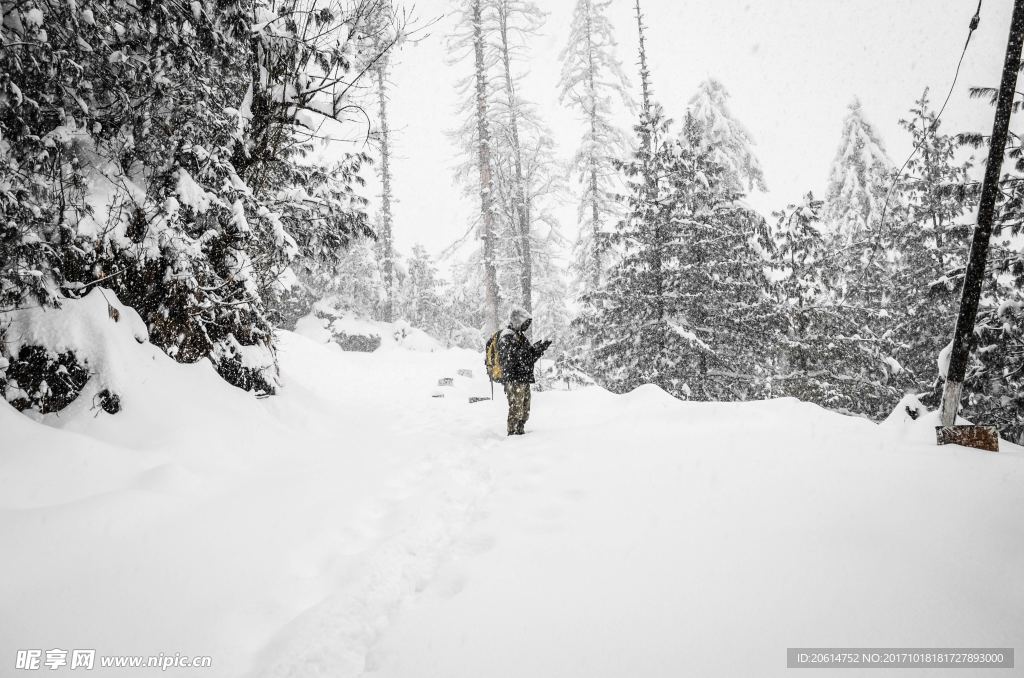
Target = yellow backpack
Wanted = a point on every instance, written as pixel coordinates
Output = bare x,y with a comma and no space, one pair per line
492,359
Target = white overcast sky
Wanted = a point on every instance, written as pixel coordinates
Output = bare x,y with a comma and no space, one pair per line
791,67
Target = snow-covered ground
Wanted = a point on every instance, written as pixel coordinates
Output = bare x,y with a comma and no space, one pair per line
354,524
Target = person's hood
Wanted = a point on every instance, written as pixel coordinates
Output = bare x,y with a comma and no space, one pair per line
519,318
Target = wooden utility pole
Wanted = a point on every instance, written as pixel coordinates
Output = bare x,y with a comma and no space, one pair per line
974,275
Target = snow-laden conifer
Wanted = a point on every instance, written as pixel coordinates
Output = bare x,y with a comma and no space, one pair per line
859,176
727,141
475,24
594,85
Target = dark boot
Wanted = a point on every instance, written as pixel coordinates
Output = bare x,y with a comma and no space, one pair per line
519,427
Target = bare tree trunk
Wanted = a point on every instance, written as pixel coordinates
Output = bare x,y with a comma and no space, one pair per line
386,240
484,164
521,213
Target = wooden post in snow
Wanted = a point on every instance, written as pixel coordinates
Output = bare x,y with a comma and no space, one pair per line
975,273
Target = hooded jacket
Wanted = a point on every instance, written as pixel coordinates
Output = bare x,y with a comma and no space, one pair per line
516,353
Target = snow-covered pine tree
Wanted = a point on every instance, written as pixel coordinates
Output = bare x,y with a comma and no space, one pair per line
382,34
861,323
421,302
931,243
645,128
687,305
544,185
526,178
828,356
799,246
475,24
858,179
462,315
529,185
723,288
357,287
723,137
517,20
326,213
593,83
626,321
861,268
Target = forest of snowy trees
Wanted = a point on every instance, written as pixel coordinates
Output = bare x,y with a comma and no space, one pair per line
173,153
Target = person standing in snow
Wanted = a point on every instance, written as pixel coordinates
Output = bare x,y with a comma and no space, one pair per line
518,356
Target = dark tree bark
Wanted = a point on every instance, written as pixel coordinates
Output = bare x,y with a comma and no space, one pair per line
975,274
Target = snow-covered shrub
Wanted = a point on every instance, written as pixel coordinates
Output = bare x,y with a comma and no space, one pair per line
345,327
56,355
40,379
138,149
362,343
566,372
352,333
184,264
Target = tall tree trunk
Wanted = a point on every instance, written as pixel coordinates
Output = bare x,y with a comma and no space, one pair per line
645,88
648,145
595,209
484,165
521,213
387,242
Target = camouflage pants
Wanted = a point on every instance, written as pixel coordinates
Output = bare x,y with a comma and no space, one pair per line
518,406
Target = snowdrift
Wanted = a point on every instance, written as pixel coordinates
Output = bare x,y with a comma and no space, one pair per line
367,519
352,333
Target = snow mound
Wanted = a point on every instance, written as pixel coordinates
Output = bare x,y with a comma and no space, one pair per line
91,326
650,396
358,334
913,423
908,412
97,329
313,328
910,421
